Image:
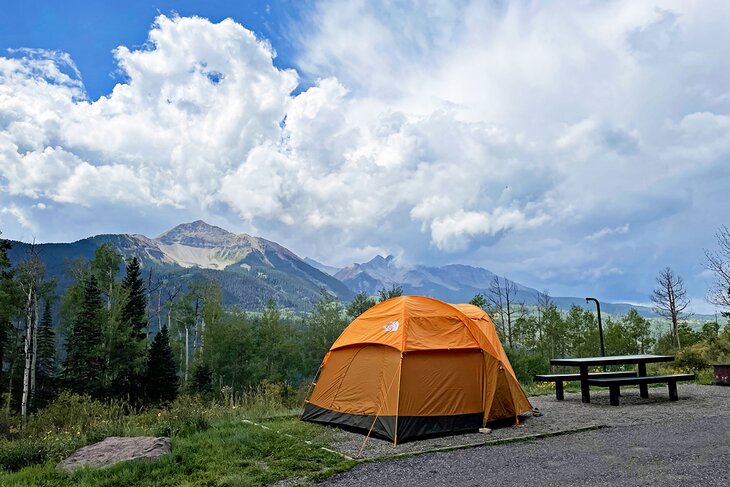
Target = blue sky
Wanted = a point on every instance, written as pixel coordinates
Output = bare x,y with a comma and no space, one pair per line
575,147
90,30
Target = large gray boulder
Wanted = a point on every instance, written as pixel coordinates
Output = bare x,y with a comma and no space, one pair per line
116,449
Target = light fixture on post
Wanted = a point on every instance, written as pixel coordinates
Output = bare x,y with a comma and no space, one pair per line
600,325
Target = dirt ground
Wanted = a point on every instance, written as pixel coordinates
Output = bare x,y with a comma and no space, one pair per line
555,417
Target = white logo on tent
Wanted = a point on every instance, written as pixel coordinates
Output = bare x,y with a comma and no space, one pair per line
392,326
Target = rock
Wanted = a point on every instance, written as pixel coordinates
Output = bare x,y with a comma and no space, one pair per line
485,431
116,449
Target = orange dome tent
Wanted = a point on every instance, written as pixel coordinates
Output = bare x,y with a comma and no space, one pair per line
413,366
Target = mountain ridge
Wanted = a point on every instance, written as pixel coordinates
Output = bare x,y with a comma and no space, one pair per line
253,269
250,269
453,283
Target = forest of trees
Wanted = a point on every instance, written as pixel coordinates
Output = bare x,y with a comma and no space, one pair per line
124,335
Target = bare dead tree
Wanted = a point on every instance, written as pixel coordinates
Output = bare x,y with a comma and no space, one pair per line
513,306
670,300
718,262
171,296
30,273
495,296
503,297
544,301
153,286
36,321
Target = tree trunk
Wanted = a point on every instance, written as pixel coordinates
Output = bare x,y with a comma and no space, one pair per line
195,325
28,355
202,334
509,313
187,352
159,311
35,348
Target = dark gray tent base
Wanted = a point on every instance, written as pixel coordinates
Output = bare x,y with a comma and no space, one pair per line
409,427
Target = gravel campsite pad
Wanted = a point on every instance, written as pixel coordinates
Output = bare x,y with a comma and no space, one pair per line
555,417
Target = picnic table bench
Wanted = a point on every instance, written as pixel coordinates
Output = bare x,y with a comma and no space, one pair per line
615,383
560,378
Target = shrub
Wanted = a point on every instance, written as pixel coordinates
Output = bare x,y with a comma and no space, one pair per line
526,364
15,455
187,415
73,412
692,358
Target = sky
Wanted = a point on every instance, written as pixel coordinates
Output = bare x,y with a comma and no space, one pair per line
579,147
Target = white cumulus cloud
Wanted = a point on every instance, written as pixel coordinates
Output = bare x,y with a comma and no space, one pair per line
486,132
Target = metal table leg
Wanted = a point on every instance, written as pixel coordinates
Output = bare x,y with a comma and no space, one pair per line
643,388
584,390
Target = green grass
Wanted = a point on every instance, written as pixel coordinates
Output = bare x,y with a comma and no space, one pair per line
228,453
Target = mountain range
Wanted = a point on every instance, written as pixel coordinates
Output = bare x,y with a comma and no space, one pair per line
252,269
455,283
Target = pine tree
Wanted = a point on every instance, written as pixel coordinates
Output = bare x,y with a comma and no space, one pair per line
46,360
160,379
134,311
360,304
131,337
393,292
83,370
5,307
202,380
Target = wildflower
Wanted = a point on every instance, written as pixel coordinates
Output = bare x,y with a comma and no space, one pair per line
78,433
159,414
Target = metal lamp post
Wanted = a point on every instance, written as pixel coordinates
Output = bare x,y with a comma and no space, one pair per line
600,325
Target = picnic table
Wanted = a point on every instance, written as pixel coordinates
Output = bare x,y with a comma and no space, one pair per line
584,362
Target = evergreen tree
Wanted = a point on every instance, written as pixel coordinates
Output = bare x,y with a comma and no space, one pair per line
134,311
393,292
202,380
479,301
84,367
360,304
160,378
129,336
4,261
46,360
5,306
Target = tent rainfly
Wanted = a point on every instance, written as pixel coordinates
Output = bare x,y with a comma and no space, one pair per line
412,367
